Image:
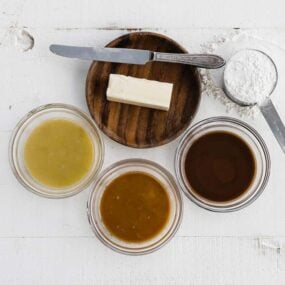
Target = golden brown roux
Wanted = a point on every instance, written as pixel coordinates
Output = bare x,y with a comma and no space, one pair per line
135,207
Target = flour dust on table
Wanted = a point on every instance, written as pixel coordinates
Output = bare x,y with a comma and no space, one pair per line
228,44
250,76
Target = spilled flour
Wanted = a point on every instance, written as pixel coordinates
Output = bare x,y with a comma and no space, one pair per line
18,38
23,41
226,46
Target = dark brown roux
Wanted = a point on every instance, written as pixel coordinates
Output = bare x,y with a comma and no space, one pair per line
135,207
220,166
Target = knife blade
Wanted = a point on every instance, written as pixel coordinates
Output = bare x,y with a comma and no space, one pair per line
137,56
121,55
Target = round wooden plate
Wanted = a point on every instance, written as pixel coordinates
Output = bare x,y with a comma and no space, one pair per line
142,127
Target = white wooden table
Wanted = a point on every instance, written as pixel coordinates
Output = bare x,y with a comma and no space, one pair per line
46,241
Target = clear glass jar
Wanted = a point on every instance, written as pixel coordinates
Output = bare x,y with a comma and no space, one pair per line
248,135
27,125
118,169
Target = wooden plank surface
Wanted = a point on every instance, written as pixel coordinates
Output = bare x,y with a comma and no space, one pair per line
186,260
49,242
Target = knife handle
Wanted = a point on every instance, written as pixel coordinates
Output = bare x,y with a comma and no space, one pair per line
209,61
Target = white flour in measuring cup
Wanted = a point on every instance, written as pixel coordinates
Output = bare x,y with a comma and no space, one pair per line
250,76
226,45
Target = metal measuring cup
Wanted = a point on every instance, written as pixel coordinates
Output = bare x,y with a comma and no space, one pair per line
266,107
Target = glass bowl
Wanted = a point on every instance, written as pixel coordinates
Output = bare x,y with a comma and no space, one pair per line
249,136
106,177
27,125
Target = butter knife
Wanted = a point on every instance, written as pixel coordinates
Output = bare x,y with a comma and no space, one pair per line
137,56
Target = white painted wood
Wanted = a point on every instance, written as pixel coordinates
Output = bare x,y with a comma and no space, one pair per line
186,260
144,14
49,241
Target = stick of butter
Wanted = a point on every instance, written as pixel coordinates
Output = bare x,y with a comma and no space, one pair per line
140,92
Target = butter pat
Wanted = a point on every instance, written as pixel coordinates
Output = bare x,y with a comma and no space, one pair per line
140,92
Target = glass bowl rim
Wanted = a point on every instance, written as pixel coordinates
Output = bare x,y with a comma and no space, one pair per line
252,132
29,116
174,226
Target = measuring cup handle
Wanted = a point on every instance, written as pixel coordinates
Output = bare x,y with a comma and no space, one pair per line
274,121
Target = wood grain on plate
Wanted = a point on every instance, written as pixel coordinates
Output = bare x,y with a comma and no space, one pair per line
139,126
